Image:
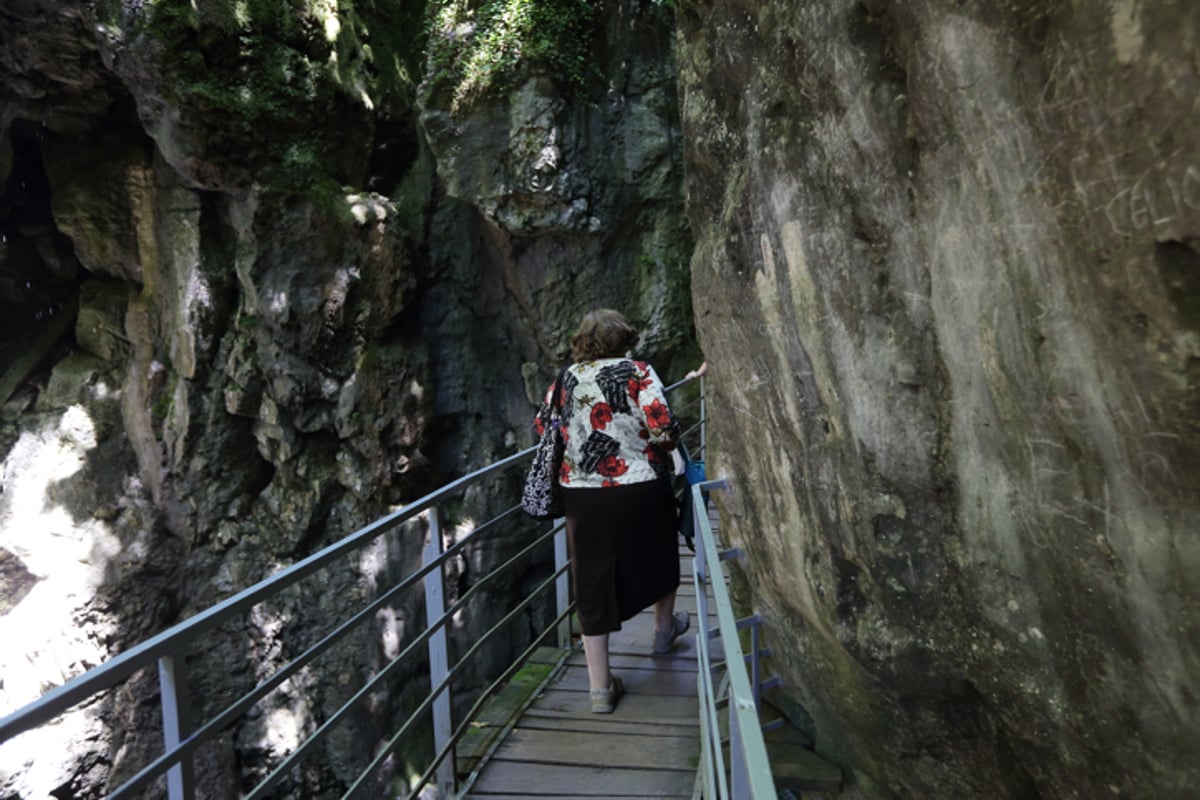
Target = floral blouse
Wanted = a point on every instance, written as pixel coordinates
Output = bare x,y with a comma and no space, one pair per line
616,425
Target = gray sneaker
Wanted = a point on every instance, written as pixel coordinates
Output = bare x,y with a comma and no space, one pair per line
605,700
664,641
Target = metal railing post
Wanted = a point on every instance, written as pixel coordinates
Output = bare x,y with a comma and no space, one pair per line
755,676
562,584
176,716
439,656
739,779
184,735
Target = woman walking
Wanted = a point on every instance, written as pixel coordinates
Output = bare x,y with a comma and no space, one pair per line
616,476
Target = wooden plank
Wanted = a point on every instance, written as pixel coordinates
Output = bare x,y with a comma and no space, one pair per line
604,723
631,641
624,797
622,661
630,707
548,780
637,681
588,749
687,602
552,715
648,748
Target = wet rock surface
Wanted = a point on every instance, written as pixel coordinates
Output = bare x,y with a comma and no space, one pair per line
289,313
945,279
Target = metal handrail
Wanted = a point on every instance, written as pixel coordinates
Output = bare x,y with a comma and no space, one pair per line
169,646
117,669
738,691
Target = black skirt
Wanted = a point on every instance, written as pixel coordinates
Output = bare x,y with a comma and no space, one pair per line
624,551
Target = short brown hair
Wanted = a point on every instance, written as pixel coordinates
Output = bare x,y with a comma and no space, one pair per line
603,333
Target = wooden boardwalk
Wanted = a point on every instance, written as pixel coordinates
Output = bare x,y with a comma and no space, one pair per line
649,747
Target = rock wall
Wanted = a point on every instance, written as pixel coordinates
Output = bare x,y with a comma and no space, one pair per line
946,280
292,302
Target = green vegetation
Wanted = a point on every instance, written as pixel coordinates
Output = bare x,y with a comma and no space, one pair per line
487,49
285,92
281,84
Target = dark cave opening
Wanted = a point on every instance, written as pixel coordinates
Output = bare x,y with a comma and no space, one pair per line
39,273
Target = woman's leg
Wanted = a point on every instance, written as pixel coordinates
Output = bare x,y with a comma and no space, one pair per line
669,625
664,613
606,688
595,650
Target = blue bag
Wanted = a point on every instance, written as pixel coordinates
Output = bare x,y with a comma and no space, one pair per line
693,473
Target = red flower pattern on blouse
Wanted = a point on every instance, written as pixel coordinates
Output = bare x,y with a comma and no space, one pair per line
635,440
657,415
601,415
637,384
612,467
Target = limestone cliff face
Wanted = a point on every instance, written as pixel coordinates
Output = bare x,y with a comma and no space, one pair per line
947,279
257,289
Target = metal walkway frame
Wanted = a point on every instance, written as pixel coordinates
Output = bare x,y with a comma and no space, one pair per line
749,775
167,649
730,682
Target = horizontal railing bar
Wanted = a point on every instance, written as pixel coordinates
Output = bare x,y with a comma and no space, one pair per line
467,595
763,652
233,711
193,742
469,717
486,579
108,674
503,515
324,729
680,384
435,690
424,636
204,733
521,606
683,408
750,621
269,782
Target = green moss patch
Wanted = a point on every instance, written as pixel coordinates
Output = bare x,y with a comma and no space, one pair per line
286,88
488,48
